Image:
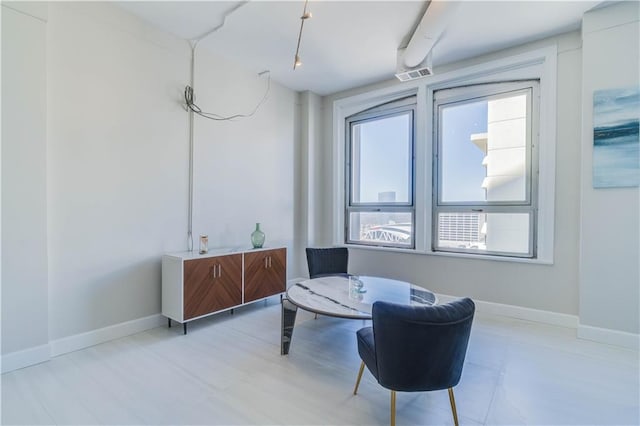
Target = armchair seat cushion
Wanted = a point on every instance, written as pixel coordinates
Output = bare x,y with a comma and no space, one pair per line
367,349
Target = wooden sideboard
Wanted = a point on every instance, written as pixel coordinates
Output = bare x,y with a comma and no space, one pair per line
197,285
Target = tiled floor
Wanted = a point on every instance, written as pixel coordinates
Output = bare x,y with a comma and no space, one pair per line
228,370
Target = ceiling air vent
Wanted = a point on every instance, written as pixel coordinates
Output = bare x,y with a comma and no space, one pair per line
405,73
416,73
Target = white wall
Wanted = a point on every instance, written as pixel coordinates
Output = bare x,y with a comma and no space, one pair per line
610,224
107,194
545,287
244,168
595,274
24,184
118,162
95,188
117,159
311,168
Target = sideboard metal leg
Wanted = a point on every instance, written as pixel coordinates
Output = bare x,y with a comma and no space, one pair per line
231,311
288,321
169,322
185,328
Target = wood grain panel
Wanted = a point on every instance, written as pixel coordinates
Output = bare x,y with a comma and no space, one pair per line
265,274
212,284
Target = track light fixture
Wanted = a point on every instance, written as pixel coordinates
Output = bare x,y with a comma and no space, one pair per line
305,15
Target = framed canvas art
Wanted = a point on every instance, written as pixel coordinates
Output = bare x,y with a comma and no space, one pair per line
616,142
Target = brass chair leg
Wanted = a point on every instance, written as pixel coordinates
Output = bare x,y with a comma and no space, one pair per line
452,400
355,390
393,408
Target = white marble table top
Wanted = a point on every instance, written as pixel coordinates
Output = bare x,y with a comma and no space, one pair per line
339,296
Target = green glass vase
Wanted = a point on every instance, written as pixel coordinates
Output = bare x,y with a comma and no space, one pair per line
257,237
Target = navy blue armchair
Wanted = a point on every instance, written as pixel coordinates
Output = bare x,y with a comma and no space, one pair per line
416,348
327,261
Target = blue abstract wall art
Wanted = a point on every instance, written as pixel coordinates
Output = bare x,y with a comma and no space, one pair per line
616,141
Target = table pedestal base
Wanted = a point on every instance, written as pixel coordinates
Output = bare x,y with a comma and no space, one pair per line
289,311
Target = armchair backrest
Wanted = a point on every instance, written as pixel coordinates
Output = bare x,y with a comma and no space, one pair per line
421,348
327,261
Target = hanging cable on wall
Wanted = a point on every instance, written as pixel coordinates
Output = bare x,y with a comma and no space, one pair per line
190,103
194,109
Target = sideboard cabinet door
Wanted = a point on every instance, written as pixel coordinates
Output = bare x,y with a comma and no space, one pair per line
212,284
265,273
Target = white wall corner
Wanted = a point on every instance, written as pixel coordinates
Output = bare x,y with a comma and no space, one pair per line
25,358
101,335
609,336
519,312
616,14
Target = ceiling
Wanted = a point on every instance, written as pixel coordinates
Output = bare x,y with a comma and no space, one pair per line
351,43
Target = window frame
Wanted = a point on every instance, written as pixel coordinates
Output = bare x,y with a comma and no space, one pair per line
518,64
445,97
390,108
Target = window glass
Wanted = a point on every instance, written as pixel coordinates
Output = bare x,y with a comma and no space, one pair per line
380,207
483,179
464,130
381,166
381,228
484,149
485,232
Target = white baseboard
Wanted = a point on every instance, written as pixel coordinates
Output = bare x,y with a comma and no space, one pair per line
609,336
20,359
101,335
38,354
519,312
600,335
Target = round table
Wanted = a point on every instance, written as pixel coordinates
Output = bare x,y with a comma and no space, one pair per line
349,297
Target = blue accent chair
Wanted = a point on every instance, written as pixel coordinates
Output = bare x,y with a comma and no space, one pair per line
327,261
416,348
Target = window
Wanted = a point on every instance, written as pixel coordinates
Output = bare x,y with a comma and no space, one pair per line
485,169
477,176
380,175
